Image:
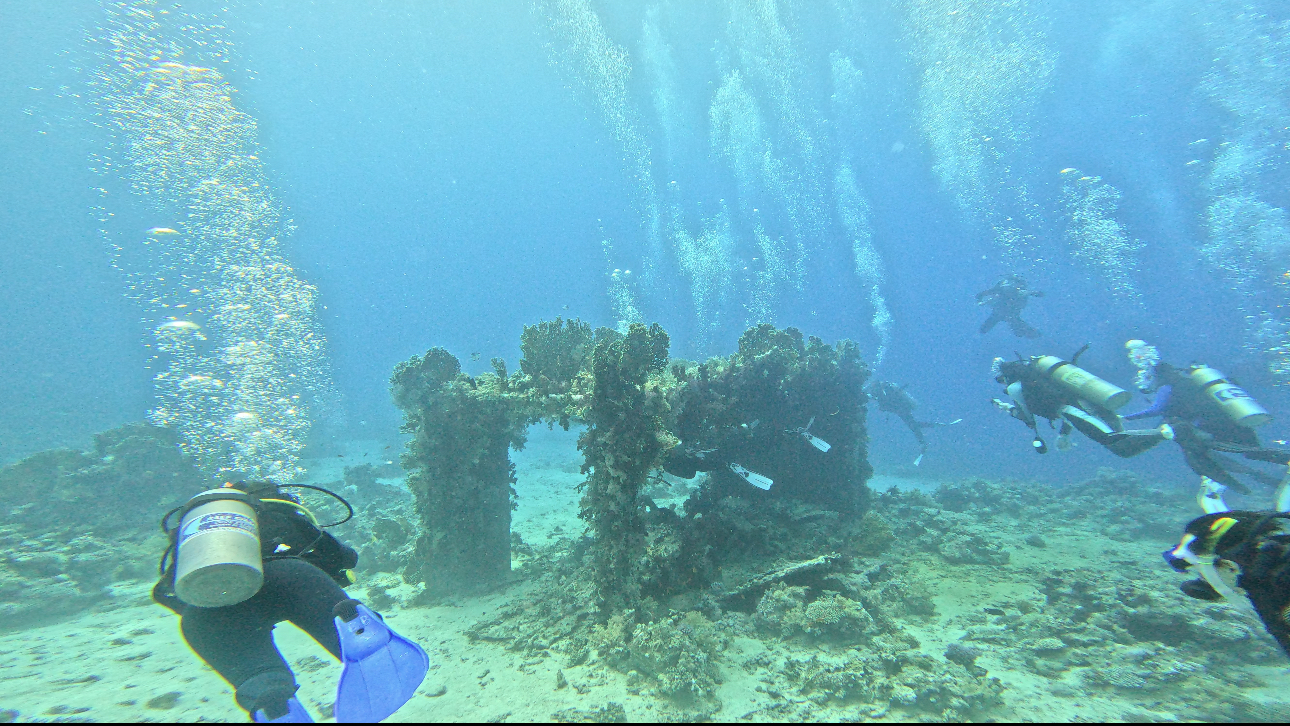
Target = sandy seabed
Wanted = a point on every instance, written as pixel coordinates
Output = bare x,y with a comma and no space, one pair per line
129,663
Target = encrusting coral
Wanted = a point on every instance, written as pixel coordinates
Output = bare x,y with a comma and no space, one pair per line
624,439
459,470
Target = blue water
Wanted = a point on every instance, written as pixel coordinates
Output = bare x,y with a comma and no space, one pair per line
452,175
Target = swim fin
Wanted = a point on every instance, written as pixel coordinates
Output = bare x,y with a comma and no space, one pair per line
382,669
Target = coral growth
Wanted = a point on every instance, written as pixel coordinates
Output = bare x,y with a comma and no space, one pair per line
623,442
748,407
459,470
77,522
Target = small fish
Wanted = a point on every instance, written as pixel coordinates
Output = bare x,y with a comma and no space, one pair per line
1068,170
1280,442
474,356
244,416
160,231
566,307
180,325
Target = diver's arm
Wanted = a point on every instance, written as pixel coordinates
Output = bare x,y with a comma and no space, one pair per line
1157,407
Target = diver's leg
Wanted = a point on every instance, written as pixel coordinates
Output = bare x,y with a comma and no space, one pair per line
309,595
237,641
1022,329
1199,460
1257,475
1272,456
990,322
917,430
1134,441
1088,424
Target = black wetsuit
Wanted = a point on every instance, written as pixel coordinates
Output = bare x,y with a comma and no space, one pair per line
1201,428
1260,546
893,399
1044,398
301,588
1007,299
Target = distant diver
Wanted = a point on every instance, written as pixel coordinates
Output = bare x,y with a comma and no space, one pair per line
893,398
1007,299
1208,414
1048,387
1240,551
246,557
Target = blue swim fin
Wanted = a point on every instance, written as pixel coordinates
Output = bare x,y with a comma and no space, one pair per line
382,669
296,713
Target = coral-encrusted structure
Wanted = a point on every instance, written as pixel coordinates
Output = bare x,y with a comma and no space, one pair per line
751,408
622,444
460,470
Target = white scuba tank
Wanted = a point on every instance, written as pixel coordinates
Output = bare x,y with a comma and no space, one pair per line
217,561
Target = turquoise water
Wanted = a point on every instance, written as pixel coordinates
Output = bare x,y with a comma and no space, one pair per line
232,221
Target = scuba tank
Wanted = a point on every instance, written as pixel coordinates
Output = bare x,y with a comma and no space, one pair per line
215,556
1235,402
217,560
1082,383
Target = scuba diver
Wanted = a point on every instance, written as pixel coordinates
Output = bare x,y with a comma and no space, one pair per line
1007,299
895,399
1240,551
1208,413
686,461
247,556
1048,387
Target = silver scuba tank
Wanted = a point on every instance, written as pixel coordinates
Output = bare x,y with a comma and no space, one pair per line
217,561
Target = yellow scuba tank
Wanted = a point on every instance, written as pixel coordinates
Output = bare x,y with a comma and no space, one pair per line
1235,402
218,550
1082,383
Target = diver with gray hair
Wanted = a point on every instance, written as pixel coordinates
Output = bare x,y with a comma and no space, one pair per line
243,558
1209,414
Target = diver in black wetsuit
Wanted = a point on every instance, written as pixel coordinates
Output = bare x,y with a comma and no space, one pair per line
1007,299
1254,544
895,399
1044,387
1204,423
304,571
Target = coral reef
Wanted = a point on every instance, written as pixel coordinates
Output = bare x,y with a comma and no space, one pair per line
459,470
678,653
784,611
748,407
77,522
623,442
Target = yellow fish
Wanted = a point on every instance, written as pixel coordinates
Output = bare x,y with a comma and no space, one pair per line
1069,169
159,231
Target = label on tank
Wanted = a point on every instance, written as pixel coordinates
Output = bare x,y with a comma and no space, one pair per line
217,522
1227,394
